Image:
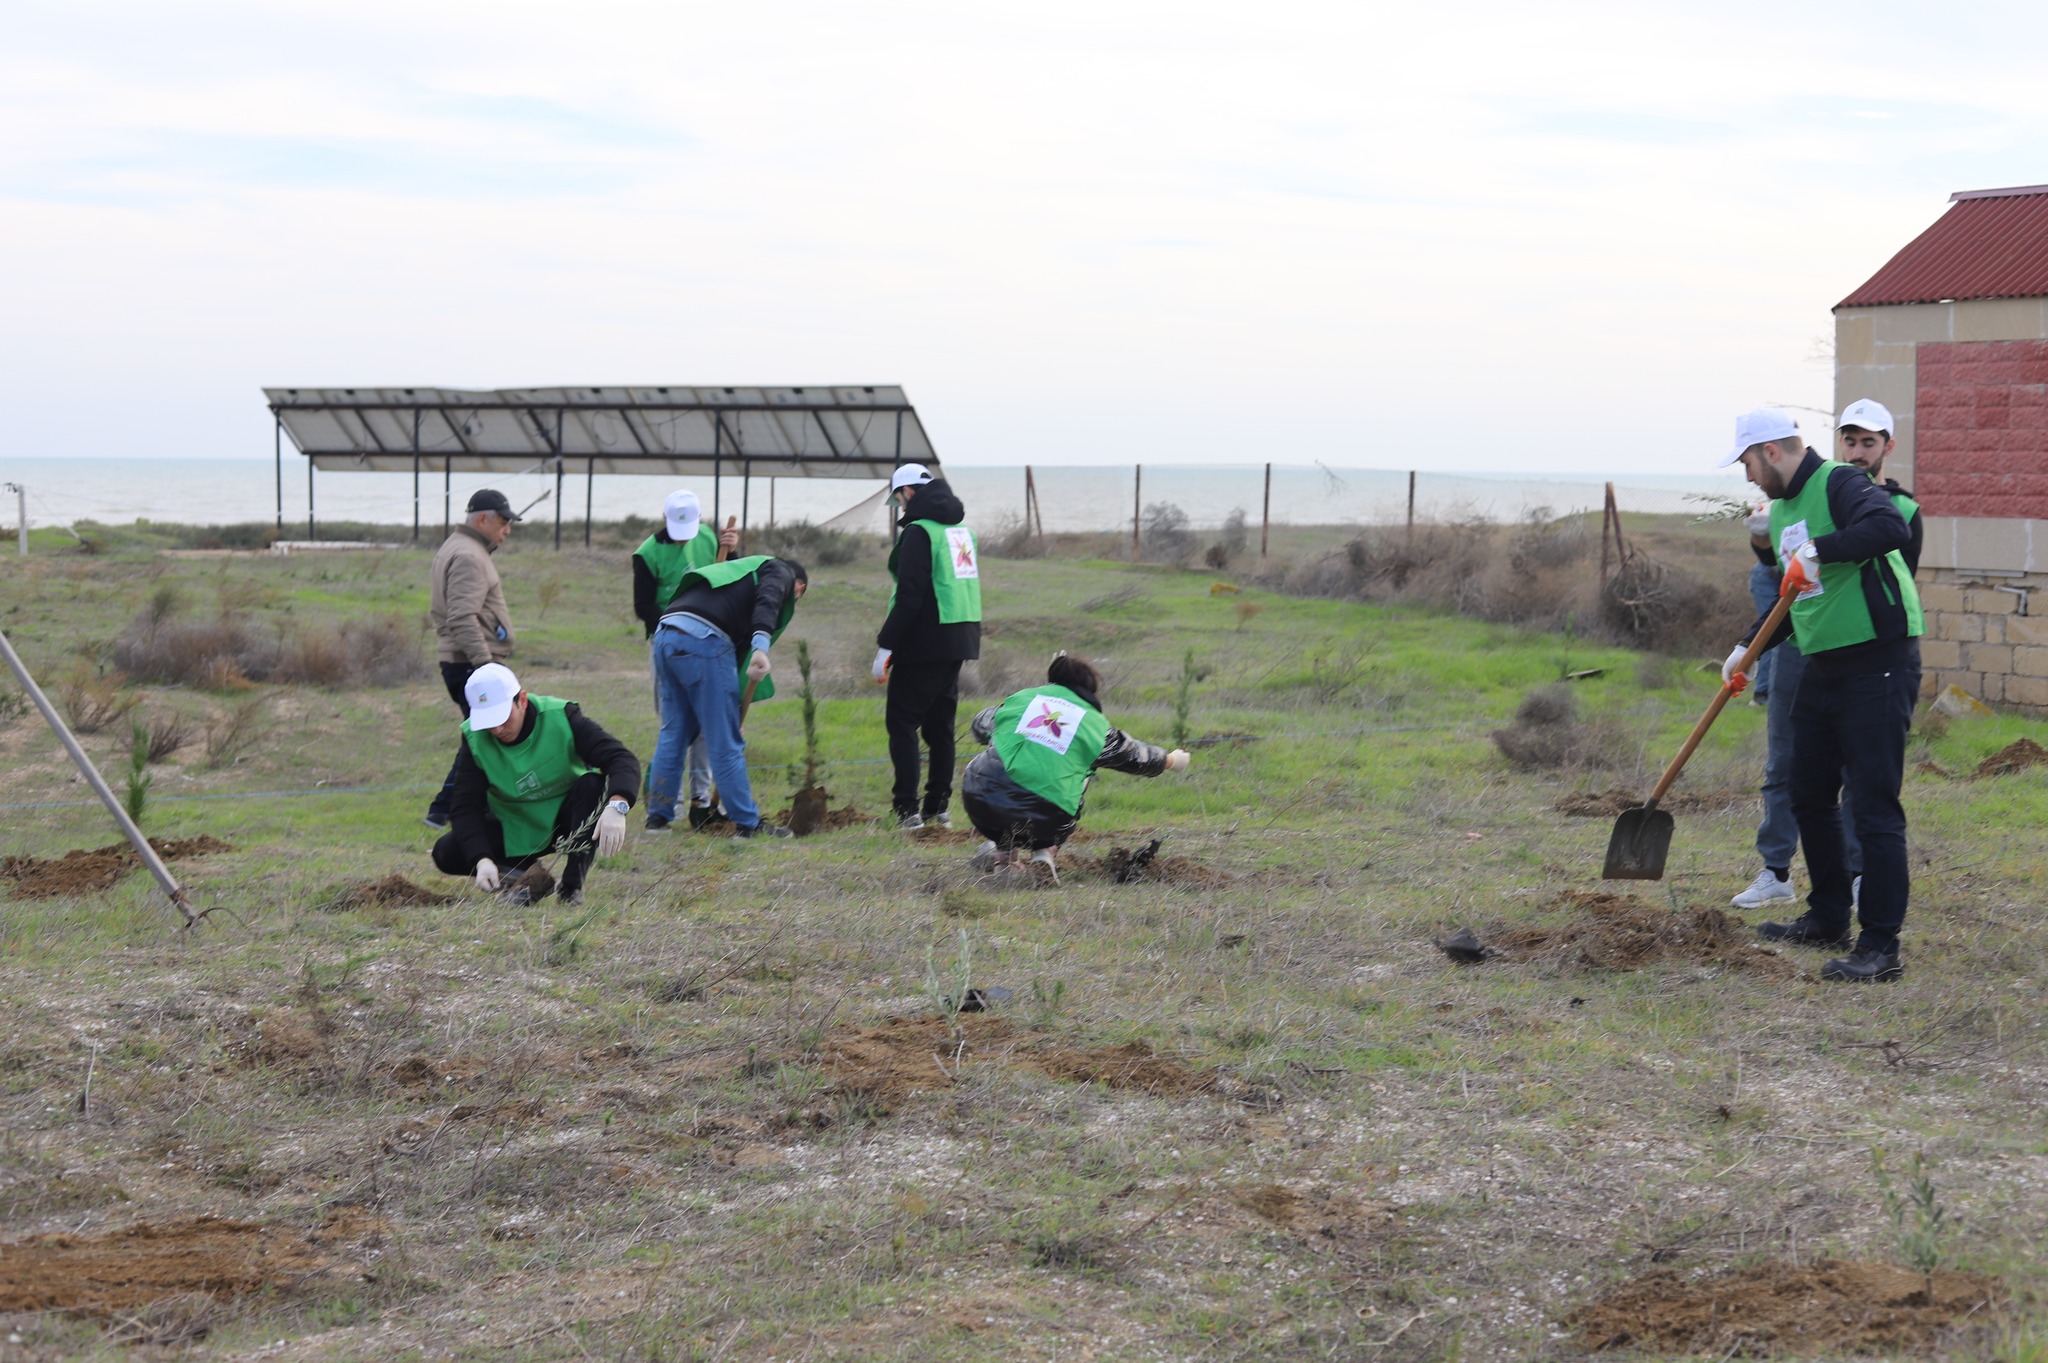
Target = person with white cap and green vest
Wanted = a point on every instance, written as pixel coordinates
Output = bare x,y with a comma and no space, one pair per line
1863,437
683,542
1045,743
533,776
933,626
1856,617
719,610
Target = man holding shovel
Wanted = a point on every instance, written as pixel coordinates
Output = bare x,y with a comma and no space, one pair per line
683,542
532,777
1856,617
719,609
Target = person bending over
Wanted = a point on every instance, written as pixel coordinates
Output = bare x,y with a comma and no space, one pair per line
1026,791
529,779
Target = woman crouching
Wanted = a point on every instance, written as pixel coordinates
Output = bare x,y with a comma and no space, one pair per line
1044,743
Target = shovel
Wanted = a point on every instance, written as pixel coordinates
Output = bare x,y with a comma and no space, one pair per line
1642,836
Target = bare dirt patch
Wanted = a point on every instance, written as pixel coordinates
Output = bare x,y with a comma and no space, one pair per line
85,872
1829,1307
392,892
1591,804
2014,757
1619,932
904,1056
1143,866
122,1270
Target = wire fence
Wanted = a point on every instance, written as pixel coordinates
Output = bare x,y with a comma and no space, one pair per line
1057,498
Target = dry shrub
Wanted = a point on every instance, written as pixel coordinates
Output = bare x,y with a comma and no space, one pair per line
1548,733
1650,604
229,736
229,651
167,734
1165,536
1012,537
94,700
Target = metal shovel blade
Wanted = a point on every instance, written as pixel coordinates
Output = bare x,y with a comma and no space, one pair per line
1639,845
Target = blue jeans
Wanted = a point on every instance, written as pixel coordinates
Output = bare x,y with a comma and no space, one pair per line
1849,735
1777,837
698,766
698,674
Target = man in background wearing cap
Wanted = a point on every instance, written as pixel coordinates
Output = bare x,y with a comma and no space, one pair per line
719,610
1856,618
530,778
933,626
1863,438
683,542
466,602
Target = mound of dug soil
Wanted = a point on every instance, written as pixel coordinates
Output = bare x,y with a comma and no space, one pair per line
1588,804
87,872
392,892
1830,1307
2012,758
122,1270
1618,932
1141,865
905,1056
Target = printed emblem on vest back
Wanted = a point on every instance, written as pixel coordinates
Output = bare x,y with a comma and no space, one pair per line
1050,722
960,542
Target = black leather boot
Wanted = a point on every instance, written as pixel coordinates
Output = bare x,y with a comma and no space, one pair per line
1865,965
1804,931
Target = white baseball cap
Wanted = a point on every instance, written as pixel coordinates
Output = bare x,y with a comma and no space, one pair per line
490,691
1754,428
683,515
910,475
1868,415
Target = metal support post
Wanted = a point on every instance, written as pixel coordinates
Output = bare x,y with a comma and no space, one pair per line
746,490
1411,504
589,496
1266,514
1137,503
447,494
311,533
277,437
415,475
21,511
558,503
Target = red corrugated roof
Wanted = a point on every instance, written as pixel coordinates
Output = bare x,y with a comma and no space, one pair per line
1992,243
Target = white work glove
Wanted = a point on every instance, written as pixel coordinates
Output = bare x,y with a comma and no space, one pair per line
757,666
611,829
1802,571
881,668
1178,760
1758,522
1738,681
487,876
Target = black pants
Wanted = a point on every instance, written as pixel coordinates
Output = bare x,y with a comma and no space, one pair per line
923,698
1008,815
578,805
454,676
1851,732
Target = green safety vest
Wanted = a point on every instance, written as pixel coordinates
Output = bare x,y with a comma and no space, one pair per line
1049,740
669,561
1835,614
529,779
956,571
724,575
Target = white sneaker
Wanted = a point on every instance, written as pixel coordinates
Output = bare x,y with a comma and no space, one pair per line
1765,889
1044,857
942,819
910,823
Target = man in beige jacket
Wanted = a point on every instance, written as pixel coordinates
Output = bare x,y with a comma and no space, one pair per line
466,602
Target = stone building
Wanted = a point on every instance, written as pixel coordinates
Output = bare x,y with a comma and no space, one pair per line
1952,336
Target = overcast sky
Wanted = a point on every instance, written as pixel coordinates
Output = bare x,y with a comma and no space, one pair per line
1566,237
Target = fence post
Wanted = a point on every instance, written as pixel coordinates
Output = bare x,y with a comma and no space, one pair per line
1411,504
1137,500
1266,514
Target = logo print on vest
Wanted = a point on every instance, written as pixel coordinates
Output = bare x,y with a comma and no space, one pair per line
528,783
960,540
1050,722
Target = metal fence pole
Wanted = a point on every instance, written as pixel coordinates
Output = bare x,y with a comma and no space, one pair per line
21,511
1266,514
1137,502
1411,504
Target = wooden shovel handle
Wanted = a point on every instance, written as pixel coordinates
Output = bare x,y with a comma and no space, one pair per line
1699,730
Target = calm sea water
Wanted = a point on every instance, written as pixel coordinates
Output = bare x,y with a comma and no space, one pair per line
1074,498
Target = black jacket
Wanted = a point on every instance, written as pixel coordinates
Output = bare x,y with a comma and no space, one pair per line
1867,527
468,804
744,608
1915,527
645,608
913,629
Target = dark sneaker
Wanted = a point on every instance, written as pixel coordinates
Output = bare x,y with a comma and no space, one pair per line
701,815
570,898
910,823
765,830
1804,931
519,896
1865,965
657,824
435,819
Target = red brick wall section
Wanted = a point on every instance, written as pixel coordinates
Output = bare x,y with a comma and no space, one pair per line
1981,428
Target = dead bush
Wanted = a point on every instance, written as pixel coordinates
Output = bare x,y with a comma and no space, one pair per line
1012,537
167,734
1165,534
218,654
93,700
228,737
1650,604
1548,734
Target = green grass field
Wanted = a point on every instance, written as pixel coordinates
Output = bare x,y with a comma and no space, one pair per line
721,1111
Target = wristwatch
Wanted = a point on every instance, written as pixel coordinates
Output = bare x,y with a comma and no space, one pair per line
618,802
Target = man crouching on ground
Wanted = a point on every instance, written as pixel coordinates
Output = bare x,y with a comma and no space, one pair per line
529,779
